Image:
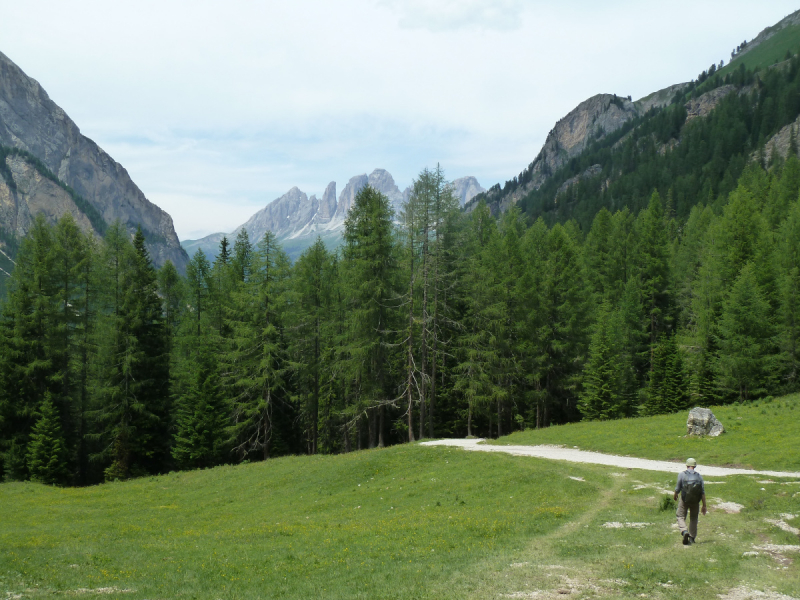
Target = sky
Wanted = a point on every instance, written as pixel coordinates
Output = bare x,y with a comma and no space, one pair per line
217,108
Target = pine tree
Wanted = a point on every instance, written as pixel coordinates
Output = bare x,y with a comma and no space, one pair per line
311,315
600,398
256,365
788,249
132,404
666,390
201,418
477,353
653,271
370,271
47,452
744,366
561,338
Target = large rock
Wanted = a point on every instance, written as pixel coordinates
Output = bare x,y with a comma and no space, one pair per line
702,421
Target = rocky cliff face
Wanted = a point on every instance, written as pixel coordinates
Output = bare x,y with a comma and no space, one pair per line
30,193
591,120
31,121
466,188
297,219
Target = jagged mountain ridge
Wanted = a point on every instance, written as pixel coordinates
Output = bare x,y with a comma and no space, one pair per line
297,219
31,122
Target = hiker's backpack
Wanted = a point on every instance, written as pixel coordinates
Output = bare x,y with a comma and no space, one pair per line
692,487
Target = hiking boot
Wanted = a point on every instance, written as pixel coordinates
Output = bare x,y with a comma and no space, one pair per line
686,538
691,540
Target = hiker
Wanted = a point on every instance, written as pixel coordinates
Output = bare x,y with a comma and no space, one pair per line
692,490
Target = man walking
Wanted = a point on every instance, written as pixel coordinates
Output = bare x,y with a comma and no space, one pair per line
692,491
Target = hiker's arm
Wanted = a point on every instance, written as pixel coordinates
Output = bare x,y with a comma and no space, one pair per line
677,487
703,510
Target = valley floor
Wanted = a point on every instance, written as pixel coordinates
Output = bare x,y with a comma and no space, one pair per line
405,522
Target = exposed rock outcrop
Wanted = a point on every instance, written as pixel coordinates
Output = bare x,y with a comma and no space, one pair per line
702,421
591,120
590,172
31,121
466,188
33,194
780,143
702,106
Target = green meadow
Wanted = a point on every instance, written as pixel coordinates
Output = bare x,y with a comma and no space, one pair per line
409,522
759,435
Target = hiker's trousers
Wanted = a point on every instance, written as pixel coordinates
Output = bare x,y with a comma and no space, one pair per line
693,508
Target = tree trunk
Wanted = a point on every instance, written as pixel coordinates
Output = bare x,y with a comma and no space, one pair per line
499,419
381,413
371,418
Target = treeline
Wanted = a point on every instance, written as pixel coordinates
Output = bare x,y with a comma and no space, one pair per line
448,324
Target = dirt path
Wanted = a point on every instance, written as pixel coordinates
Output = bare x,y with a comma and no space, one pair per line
596,458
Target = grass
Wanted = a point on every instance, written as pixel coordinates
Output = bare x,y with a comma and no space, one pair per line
760,435
769,52
418,522
404,522
395,523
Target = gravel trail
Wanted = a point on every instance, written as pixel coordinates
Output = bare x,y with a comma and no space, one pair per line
596,458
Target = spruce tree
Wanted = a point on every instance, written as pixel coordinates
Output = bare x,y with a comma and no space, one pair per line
311,315
47,452
370,271
201,418
600,398
256,366
745,361
652,268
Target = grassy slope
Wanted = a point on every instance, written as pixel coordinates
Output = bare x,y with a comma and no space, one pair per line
761,435
405,522
770,51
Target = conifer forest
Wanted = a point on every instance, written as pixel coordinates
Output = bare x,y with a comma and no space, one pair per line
435,322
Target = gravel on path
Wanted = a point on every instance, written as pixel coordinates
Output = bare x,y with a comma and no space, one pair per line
596,458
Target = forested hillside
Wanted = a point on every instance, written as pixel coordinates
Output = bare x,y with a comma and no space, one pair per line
453,324
694,149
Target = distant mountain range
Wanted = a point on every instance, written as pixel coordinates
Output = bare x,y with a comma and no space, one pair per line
48,167
297,219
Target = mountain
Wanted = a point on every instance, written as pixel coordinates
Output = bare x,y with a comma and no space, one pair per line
297,219
592,120
49,167
612,152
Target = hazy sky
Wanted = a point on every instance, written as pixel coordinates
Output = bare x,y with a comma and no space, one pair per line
217,108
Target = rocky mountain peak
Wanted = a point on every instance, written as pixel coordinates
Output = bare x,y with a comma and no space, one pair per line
32,122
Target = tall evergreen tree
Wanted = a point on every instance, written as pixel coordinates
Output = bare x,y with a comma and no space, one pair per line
600,398
745,362
257,366
47,451
370,272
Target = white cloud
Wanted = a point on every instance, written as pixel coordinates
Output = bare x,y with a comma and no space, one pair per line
450,15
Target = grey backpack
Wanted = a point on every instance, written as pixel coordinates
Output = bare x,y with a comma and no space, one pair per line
692,487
